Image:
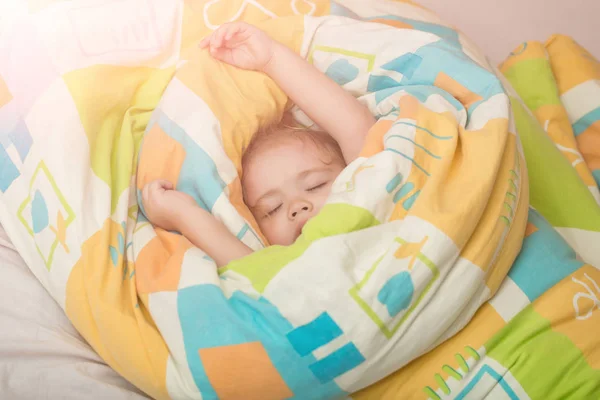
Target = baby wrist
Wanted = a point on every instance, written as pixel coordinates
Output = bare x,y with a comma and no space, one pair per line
271,64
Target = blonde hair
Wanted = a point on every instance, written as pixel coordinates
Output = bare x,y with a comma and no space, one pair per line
289,128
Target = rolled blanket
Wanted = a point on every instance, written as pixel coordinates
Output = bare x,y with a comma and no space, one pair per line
418,234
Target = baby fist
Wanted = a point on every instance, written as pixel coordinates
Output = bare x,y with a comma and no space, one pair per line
241,45
164,206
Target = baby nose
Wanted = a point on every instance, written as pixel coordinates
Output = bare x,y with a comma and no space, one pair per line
298,208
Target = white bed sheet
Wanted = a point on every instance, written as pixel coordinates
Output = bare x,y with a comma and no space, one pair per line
41,354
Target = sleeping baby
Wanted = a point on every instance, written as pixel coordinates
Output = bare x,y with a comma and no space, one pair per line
288,170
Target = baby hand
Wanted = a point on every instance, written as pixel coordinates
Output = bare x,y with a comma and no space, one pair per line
165,207
241,45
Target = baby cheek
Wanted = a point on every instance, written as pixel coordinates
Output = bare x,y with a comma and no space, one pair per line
286,233
321,199
274,230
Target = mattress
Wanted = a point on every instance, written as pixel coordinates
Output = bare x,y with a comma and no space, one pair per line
41,355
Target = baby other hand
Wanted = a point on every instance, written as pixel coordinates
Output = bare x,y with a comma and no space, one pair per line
241,45
164,206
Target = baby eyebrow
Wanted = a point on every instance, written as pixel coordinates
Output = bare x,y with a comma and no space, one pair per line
308,172
259,209
262,198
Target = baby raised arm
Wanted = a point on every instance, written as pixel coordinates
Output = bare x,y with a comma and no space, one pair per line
286,181
332,108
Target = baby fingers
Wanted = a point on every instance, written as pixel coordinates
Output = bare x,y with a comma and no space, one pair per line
232,30
223,35
164,184
205,42
153,188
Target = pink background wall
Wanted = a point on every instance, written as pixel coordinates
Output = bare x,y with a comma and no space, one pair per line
498,26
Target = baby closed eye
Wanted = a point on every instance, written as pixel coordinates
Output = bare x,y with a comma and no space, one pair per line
317,187
273,211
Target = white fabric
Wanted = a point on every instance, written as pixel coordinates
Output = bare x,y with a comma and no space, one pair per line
41,354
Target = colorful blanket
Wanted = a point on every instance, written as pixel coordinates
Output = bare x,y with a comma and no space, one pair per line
416,241
531,337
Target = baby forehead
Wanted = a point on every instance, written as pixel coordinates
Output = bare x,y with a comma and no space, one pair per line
284,138
287,159
298,144
285,162
278,168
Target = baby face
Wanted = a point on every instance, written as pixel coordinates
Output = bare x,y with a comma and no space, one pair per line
286,185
